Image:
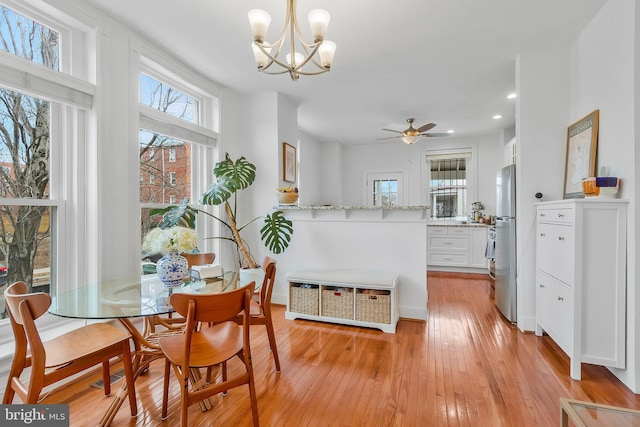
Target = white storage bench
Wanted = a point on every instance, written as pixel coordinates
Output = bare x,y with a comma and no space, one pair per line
350,297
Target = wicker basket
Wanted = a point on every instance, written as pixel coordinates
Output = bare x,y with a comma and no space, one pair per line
373,308
304,299
337,303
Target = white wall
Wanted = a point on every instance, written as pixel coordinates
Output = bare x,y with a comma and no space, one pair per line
409,159
542,82
603,76
556,88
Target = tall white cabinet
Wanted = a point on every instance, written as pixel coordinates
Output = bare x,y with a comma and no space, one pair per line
581,279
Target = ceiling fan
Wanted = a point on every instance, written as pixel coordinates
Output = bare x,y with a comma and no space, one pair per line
411,134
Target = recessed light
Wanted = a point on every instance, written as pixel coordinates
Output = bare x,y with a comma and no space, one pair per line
450,131
497,116
511,96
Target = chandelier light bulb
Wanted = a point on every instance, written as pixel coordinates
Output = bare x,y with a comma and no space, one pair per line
261,58
259,21
326,51
319,21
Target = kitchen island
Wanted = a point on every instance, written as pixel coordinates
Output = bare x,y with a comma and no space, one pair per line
385,240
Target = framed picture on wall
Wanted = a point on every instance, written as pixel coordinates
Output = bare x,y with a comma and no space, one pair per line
580,163
288,162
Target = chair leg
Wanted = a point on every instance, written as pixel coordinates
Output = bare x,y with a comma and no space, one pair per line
106,377
252,390
224,375
165,388
272,343
127,361
16,369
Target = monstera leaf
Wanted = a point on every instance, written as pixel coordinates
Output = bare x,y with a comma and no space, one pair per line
183,214
276,232
230,177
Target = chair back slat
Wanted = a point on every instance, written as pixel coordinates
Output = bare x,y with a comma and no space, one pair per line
269,267
38,302
200,258
212,308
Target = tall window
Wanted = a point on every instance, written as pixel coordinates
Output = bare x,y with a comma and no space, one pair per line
31,204
448,185
172,130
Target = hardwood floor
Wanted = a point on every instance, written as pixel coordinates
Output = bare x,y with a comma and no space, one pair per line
466,366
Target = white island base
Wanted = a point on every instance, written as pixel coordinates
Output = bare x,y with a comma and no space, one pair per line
349,297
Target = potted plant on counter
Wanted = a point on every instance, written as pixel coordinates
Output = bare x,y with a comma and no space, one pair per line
230,178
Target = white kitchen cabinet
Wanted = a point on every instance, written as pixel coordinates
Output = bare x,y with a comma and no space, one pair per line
581,279
457,247
478,247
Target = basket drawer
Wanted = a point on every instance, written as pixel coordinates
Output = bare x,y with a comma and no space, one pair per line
304,299
373,306
337,302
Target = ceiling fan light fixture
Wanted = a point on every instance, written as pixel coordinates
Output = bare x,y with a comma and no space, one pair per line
410,139
302,56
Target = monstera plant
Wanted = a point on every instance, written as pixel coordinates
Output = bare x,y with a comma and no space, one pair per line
230,178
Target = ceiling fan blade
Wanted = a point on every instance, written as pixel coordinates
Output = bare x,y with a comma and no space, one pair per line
426,127
391,137
392,130
434,135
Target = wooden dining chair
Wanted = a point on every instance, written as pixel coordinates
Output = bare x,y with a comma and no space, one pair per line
260,310
200,258
205,346
62,356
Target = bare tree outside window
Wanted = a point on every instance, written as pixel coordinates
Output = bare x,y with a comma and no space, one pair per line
24,152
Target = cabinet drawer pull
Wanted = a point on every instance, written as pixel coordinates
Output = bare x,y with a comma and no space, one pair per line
541,214
541,285
448,243
560,215
447,259
560,237
560,299
542,234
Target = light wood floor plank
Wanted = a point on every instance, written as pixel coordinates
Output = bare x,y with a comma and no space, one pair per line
465,367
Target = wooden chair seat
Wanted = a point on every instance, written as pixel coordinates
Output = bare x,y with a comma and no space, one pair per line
62,356
222,342
82,343
204,347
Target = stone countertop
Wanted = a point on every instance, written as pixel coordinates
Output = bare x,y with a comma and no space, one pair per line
333,207
457,224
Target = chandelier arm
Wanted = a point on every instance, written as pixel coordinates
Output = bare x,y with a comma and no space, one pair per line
307,59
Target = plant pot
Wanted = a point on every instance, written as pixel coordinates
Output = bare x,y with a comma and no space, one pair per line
287,198
172,269
248,275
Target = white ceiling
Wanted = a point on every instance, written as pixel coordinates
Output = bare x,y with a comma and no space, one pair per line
451,62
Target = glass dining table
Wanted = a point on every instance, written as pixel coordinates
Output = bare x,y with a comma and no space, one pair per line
139,297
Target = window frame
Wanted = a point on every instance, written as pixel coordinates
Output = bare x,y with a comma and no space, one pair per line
371,176
202,136
71,95
471,176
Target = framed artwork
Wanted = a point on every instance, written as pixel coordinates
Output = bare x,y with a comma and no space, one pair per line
288,162
580,163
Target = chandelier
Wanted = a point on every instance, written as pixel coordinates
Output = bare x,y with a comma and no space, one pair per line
319,53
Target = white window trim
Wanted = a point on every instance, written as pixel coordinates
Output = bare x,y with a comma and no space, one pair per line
370,176
472,174
68,125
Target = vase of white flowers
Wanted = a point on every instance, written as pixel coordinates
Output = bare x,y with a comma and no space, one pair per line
172,268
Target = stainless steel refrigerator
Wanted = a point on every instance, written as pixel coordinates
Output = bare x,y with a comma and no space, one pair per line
505,249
